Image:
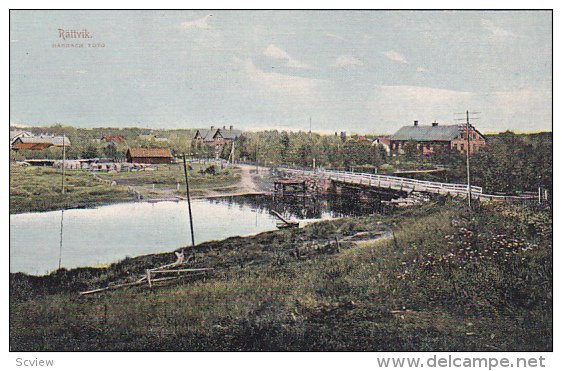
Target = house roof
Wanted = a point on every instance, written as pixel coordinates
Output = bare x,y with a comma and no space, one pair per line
34,146
228,133
19,133
55,141
113,138
149,152
58,141
204,134
425,133
383,140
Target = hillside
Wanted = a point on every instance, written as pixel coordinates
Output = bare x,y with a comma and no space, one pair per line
445,279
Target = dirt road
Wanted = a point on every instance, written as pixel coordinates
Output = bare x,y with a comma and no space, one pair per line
250,183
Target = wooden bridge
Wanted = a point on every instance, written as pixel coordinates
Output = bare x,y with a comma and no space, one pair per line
407,185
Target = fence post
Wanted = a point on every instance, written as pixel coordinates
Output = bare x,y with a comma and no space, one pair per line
148,278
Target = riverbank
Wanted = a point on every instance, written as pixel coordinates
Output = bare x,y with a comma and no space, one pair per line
35,189
444,280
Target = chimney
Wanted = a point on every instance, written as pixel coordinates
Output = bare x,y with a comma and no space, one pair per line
212,127
224,127
415,122
434,124
231,127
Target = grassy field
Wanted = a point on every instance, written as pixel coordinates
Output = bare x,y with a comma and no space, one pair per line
447,279
35,188
170,175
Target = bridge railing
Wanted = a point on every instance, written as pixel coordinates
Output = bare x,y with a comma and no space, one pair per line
388,181
404,180
399,183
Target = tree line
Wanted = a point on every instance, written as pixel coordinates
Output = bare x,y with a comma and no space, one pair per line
302,149
508,163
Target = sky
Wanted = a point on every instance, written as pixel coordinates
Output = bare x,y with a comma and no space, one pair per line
353,71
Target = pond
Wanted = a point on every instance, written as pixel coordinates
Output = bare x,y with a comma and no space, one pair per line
106,234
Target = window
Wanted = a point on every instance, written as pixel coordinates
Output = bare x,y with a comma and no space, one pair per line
462,147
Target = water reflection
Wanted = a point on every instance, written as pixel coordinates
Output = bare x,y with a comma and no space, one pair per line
332,206
110,233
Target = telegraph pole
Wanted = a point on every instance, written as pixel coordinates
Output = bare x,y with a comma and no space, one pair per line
60,244
63,161
188,201
466,122
63,192
257,147
232,152
468,162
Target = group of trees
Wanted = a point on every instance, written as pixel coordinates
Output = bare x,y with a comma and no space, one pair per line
305,150
514,162
509,163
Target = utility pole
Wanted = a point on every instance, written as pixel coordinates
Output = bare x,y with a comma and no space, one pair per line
188,201
468,161
466,122
257,147
60,245
63,161
232,152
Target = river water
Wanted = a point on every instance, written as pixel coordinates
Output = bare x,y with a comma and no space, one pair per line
106,234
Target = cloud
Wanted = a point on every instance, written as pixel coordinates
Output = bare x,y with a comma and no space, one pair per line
334,36
278,83
497,32
276,52
520,109
347,60
421,69
81,72
201,23
395,56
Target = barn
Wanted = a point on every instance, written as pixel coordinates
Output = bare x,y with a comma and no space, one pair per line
150,155
40,142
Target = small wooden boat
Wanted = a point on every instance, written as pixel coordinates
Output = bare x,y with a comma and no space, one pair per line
284,223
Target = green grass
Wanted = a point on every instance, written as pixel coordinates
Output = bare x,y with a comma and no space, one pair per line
170,175
421,290
166,177
35,188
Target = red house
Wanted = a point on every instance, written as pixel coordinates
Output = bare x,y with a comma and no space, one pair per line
150,155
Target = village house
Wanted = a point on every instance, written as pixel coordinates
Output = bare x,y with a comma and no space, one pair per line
204,136
429,139
152,137
146,136
158,138
149,155
15,134
224,135
384,142
218,137
40,142
118,139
